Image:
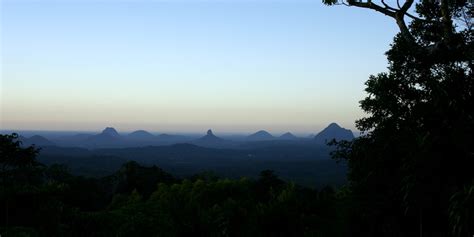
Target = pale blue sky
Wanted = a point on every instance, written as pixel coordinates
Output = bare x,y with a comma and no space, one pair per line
234,66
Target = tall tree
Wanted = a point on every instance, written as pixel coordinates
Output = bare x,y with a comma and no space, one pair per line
413,166
16,161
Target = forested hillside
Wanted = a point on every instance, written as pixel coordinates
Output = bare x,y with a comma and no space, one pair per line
146,201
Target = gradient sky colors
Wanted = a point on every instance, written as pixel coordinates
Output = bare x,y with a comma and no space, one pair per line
234,66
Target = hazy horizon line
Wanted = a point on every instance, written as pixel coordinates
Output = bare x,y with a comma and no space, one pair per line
172,131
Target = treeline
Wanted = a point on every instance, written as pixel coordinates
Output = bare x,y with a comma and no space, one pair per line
146,201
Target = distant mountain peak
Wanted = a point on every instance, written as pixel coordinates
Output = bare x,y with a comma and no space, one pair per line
288,135
334,125
210,135
334,131
108,137
37,140
209,138
261,135
110,131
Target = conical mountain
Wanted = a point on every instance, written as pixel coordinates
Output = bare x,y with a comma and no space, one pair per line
211,140
288,136
109,131
260,135
210,137
334,131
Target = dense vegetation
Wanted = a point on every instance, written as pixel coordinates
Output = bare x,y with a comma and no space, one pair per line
412,171
146,201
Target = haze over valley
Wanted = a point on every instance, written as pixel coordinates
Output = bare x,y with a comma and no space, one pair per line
304,160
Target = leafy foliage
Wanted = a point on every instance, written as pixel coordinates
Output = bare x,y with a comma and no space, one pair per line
412,169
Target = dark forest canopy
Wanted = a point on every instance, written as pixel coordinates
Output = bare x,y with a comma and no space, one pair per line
146,201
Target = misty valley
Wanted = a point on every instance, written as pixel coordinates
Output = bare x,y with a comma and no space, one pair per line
305,161
109,185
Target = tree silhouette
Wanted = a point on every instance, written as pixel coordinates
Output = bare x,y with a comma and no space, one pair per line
15,161
417,152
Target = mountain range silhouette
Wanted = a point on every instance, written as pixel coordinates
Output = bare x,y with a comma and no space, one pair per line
109,137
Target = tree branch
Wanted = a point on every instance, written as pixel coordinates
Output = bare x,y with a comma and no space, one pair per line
373,6
446,16
399,8
406,6
399,18
401,21
415,17
389,7
397,14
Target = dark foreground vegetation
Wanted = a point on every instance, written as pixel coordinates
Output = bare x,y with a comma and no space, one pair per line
146,201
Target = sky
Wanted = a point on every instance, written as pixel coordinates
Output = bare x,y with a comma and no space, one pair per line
187,65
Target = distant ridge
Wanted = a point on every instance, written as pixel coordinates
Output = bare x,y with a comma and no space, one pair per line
334,131
260,135
37,141
110,138
141,135
165,136
288,136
